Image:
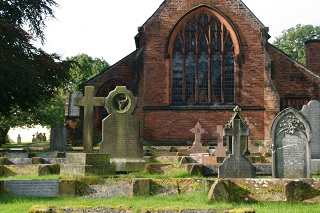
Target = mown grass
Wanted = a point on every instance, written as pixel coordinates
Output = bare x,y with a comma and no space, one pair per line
192,200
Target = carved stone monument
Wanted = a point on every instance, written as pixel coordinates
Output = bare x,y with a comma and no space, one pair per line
87,163
236,165
197,148
291,134
88,102
121,132
312,113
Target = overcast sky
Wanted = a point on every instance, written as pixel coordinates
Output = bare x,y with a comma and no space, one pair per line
106,29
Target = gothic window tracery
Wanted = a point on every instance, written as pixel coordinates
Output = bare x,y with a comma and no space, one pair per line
203,62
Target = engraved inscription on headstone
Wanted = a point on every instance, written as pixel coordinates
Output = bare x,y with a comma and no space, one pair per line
291,133
37,188
312,113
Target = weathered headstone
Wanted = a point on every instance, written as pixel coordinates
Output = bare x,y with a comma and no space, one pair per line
121,131
19,139
312,113
197,148
236,165
220,150
58,138
88,102
291,134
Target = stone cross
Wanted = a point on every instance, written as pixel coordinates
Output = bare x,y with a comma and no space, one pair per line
236,132
88,102
197,148
197,130
220,150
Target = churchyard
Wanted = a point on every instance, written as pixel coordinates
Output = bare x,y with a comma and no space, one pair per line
122,175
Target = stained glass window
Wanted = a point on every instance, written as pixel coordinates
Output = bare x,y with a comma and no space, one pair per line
203,62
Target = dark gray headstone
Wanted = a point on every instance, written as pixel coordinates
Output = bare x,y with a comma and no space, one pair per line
121,131
58,138
236,165
291,134
312,113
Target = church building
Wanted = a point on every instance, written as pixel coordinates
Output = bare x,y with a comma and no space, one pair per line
195,61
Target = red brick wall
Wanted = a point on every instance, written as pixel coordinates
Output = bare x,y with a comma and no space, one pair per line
313,55
292,78
256,93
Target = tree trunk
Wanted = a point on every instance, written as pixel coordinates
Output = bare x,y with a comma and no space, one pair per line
3,135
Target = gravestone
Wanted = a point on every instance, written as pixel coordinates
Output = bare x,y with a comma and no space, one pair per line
312,113
121,132
236,165
88,102
19,139
33,188
291,134
58,138
220,150
197,149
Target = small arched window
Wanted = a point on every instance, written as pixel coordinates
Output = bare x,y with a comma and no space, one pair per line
202,62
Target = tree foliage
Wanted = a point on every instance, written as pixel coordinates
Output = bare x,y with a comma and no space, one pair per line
292,41
28,75
83,68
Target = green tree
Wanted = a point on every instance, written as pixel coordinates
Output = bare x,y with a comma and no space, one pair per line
292,41
83,68
28,74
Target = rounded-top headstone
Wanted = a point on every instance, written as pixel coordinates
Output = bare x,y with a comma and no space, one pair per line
120,100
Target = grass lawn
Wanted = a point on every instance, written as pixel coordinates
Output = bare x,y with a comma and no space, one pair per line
192,200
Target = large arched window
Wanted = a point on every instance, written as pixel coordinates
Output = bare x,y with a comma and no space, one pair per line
202,61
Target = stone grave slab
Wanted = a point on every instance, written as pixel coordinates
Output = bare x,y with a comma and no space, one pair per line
37,188
197,148
121,132
58,138
312,113
86,164
291,134
236,165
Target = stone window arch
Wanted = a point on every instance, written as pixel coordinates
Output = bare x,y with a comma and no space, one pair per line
203,47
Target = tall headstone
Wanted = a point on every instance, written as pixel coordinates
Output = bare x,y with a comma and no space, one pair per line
312,113
88,102
220,150
121,132
197,148
291,134
236,165
58,138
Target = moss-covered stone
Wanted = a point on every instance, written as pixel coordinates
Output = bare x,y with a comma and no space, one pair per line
67,187
36,160
218,192
49,169
3,160
140,186
241,210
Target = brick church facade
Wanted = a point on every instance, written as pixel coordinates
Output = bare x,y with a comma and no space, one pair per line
195,61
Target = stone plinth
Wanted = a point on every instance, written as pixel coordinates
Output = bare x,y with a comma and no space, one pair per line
86,164
128,165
